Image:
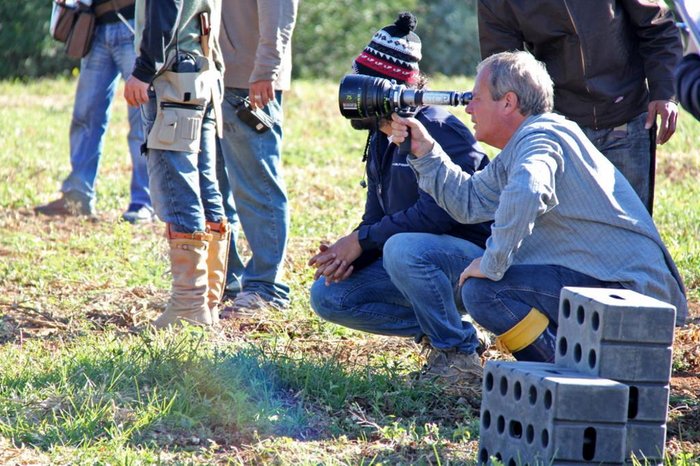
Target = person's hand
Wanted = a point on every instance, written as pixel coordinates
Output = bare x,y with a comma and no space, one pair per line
135,91
260,93
668,111
472,270
421,141
335,261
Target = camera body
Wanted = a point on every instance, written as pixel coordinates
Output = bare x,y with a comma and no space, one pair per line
361,97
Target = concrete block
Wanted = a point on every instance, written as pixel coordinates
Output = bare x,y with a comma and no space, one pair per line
618,315
648,402
615,334
538,412
646,441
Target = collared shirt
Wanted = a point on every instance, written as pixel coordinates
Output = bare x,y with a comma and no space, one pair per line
556,200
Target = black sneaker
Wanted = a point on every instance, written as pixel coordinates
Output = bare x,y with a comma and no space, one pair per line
68,205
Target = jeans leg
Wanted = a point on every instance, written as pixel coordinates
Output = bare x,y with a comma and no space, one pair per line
97,84
366,301
253,163
426,268
629,149
235,267
499,305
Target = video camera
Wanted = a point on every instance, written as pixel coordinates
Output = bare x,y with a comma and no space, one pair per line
361,97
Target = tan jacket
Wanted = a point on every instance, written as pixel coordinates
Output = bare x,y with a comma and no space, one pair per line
256,41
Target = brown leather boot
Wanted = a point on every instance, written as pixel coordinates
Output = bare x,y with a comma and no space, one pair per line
217,259
188,295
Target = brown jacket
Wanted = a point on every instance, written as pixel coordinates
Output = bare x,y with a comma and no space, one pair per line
607,58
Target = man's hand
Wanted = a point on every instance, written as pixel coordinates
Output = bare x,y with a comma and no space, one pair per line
335,261
135,92
472,270
260,93
668,111
421,141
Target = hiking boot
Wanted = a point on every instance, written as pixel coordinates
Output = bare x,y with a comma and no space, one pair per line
70,204
461,373
138,213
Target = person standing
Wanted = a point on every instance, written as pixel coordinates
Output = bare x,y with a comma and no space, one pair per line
612,63
112,55
256,43
177,80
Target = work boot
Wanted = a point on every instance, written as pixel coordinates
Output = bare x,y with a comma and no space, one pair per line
188,294
138,213
460,373
70,204
217,259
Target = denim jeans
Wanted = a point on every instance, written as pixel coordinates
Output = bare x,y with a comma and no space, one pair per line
112,54
183,184
631,149
250,179
500,305
409,292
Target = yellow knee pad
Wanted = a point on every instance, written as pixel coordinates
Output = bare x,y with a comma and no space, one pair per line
522,334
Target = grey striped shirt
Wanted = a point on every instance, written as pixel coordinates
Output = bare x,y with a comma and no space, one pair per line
555,199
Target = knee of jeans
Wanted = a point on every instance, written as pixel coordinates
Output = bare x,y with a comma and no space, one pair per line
397,254
322,301
472,293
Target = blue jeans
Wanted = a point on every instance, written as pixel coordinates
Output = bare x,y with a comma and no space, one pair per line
500,305
413,294
112,55
183,184
254,193
631,149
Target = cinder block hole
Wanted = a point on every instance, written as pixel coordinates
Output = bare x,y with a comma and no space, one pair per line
488,383
595,321
633,405
532,395
483,456
580,314
577,352
589,443
566,308
511,462
592,359
530,434
563,346
486,419
515,429
544,438
504,385
547,399
517,390
501,424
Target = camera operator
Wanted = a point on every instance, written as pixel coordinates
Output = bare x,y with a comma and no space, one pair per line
352,288
563,214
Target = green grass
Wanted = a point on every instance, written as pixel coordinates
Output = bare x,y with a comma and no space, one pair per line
83,380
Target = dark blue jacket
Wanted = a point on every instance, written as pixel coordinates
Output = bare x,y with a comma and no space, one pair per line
394,202
688,84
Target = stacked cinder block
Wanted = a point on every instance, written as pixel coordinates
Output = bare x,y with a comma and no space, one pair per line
603,401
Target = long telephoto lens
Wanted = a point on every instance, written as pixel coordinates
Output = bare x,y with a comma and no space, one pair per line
368,97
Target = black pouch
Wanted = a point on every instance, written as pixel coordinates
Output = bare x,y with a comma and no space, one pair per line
255,118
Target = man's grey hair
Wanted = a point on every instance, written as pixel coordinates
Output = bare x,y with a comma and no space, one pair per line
520,73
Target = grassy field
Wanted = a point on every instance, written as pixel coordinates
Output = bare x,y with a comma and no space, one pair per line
83,380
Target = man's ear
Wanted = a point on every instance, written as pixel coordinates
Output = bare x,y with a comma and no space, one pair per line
510,102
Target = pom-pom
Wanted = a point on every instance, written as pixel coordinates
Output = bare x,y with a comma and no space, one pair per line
406,22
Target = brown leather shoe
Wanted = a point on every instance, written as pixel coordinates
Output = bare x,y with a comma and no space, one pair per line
68,205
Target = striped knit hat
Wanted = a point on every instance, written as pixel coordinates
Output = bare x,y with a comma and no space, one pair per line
393,53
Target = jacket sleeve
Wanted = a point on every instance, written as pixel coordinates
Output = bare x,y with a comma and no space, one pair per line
659,45
498,28
425,215
159,32
277,19
688,84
